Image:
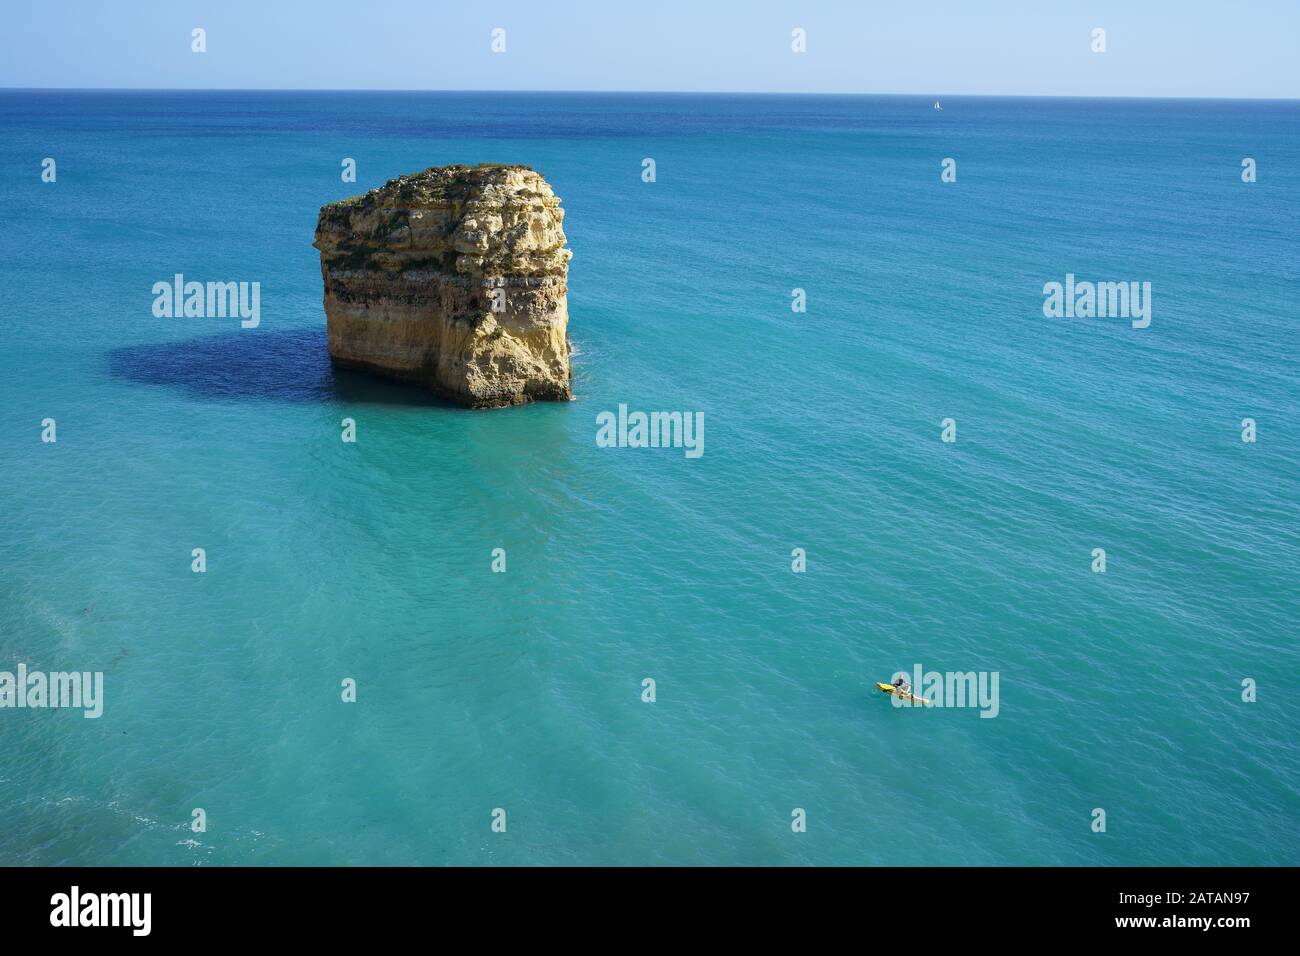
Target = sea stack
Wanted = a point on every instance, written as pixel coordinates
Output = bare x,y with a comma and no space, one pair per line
455,278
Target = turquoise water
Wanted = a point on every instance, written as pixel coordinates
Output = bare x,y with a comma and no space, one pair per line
522,690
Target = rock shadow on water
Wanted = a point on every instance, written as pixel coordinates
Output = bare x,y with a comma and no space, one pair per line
286,365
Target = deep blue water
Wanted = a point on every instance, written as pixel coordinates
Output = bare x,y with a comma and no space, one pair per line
1120,691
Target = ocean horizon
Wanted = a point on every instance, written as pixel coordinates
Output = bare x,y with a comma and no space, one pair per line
907,463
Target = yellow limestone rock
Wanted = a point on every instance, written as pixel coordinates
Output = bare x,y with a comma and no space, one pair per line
455,278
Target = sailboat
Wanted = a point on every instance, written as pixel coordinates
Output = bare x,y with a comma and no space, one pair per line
937,106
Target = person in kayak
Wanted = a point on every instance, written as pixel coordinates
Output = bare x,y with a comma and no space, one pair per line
901,685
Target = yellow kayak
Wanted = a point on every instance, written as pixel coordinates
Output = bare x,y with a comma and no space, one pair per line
890,688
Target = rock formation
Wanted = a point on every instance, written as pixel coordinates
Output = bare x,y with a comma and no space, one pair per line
455,278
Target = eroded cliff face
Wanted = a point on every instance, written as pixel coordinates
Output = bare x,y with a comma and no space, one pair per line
455,278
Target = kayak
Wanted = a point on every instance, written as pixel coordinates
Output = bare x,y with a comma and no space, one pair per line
890,688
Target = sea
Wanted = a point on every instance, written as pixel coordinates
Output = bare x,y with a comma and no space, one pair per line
908,465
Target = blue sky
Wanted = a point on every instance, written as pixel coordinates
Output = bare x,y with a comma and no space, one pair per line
1022,47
